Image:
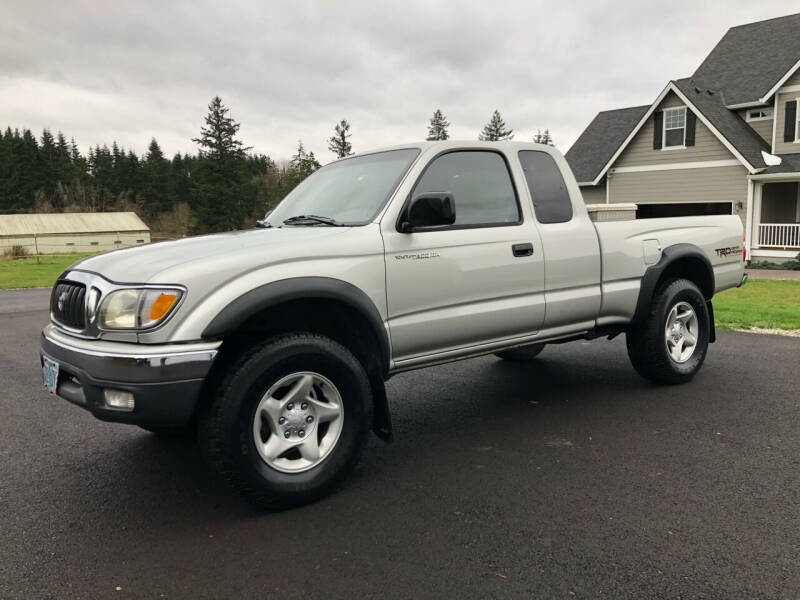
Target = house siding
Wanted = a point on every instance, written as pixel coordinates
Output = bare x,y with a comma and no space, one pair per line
762,128
782,147
640,150
715,184
594,194
793,80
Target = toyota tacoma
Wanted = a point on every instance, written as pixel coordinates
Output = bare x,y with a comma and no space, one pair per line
272,345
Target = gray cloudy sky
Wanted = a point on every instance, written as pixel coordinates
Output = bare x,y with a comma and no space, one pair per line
129,71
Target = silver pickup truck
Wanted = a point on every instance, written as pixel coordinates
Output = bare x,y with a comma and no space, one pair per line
273,345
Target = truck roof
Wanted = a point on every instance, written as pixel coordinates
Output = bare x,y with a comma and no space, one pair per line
448,144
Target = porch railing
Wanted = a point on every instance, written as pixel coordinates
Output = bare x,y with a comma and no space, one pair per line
779,235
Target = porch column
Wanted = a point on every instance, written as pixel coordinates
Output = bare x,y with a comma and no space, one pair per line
758,192
748,227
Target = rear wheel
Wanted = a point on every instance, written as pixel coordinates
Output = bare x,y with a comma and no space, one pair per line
289,420
670,345
523,354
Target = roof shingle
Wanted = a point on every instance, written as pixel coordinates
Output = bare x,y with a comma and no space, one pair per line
750,59
598,142
732,127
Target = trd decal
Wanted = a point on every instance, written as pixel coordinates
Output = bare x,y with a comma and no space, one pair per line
728,251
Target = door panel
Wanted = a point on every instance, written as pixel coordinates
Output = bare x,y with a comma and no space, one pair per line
458,288
462,286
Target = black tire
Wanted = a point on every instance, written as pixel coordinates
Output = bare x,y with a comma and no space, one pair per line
646,341
522,354
225,427
187,432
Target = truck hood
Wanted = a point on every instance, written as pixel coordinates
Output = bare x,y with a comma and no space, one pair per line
166,262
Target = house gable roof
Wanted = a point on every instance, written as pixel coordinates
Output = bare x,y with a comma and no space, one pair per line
744,143
727,123
751,61
598,142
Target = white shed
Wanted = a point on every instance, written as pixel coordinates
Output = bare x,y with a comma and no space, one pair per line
72,232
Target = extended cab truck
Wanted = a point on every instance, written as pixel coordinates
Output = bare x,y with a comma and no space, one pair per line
274,344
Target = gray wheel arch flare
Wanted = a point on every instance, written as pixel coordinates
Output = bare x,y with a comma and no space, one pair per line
688,254
302,288
299,288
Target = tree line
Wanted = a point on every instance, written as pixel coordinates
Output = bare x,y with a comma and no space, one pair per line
224,186
495,130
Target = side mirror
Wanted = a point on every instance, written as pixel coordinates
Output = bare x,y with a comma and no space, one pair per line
427,211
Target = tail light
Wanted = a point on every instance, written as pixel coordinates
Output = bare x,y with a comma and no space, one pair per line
744,249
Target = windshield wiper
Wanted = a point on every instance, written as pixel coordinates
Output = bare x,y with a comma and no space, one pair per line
313,219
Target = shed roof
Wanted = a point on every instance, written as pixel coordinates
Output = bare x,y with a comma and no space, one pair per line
65,223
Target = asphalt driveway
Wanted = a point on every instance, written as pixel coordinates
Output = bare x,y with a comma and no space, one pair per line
570,477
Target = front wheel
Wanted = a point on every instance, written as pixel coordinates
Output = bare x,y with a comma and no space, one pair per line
289,420
670,345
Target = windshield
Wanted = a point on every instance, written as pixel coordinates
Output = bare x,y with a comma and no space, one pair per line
350,190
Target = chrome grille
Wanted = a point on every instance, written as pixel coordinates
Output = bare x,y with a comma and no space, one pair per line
68,304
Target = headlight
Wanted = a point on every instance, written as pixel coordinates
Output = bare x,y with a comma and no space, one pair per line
137,308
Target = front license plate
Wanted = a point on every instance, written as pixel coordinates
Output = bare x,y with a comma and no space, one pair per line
50,374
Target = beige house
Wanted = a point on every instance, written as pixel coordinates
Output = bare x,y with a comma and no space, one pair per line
724,141
72,232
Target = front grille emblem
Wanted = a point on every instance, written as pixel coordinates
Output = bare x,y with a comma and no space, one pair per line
61,299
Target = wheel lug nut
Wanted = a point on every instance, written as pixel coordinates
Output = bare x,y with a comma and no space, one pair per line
309,419
290,406
287,433
301,433
304,405
282,420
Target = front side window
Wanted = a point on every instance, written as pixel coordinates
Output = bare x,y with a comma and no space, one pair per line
675,127
351,191
480,185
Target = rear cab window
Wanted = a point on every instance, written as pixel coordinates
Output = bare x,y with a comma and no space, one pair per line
551,201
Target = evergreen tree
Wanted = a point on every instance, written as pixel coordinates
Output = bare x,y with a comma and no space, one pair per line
180,177
495,130
338,143
437,130
26,169
303,163
543,138
48,164
64,169
156,192
219,187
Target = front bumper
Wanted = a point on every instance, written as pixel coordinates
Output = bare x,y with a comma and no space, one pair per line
165,380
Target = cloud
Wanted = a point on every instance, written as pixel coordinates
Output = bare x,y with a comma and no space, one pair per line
289,71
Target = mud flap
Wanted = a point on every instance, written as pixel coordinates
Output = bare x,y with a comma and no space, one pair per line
381,420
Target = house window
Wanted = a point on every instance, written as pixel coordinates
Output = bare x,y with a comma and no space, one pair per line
675,127
760,114
797,121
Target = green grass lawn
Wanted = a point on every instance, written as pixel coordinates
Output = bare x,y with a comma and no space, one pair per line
26,272
763,303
